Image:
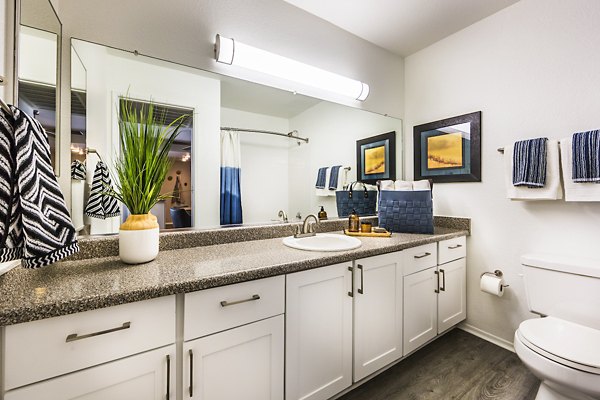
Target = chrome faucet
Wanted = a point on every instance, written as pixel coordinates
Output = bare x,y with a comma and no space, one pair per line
281,214
307,229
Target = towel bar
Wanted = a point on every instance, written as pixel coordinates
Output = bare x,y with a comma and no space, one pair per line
501,149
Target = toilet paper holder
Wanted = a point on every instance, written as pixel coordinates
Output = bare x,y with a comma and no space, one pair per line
497,273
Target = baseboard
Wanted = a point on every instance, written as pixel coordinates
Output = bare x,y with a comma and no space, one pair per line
487,336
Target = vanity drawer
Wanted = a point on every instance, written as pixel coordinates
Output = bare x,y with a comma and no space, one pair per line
214,310
419,258
43,349
452,249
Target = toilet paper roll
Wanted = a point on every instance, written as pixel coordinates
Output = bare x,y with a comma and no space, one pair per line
492,284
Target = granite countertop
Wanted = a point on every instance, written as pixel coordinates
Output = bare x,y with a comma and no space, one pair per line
74,286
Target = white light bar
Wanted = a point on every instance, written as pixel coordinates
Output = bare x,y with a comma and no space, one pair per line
231,52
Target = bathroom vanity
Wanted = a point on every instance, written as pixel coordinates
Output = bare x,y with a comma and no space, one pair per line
232,320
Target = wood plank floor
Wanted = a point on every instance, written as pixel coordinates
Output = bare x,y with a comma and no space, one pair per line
456,366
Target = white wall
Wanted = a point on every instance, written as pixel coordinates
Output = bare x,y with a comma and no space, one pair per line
264,159
184,31
332,130
111,74
532,69
37,55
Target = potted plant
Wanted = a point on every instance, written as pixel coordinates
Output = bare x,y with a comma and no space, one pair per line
141,169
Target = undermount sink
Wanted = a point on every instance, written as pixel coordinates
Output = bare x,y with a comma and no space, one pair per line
323,242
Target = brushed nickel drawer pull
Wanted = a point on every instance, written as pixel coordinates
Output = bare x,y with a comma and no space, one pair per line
423,255
74,336
191,388
351,292
454,247
168,377
225,303
361,290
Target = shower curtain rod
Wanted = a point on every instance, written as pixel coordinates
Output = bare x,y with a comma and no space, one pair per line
289,135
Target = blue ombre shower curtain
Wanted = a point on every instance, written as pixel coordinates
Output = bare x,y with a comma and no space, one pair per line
231,195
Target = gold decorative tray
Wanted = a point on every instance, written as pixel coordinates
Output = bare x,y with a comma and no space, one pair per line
368,234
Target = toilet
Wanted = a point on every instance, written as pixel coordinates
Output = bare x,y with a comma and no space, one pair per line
563,347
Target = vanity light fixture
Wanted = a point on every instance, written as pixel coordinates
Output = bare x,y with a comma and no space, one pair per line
232,52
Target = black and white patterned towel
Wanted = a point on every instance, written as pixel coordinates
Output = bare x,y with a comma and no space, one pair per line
35,225
100,205
586,157
529,163
78,170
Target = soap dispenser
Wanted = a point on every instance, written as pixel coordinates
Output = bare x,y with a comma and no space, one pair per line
322,214
353,222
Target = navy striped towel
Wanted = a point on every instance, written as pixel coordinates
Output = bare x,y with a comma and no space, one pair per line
321,178
529,163
333,177
586,157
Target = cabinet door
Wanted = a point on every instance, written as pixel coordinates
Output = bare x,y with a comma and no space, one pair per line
377,313
146,376
420,308
241,363
452,299
318,332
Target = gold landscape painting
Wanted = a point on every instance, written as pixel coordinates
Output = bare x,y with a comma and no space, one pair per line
375,160
444,151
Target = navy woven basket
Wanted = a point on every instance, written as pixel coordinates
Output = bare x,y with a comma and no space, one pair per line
406,211
363,201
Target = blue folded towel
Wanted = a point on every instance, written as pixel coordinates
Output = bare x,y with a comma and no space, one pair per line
321,178
529,163
333,177
586,157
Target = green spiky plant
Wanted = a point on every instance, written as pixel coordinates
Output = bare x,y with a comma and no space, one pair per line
144,161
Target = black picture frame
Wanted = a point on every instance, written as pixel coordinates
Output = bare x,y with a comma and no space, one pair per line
384,145
452,158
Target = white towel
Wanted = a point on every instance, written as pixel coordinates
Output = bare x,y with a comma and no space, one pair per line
403,185
552,190
421,185
575,191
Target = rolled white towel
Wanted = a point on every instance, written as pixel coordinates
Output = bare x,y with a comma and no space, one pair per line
403,185
421,185
387,185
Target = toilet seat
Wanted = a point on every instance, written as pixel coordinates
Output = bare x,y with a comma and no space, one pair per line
564,342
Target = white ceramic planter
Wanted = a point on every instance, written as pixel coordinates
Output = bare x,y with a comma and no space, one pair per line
139,246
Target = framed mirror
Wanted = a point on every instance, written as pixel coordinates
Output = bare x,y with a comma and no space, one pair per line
38,37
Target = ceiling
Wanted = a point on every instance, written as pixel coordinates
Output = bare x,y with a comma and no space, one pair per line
402,26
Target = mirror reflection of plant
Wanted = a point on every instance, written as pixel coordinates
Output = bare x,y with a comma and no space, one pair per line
144,161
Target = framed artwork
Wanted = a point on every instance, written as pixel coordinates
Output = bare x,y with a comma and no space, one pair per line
376,158
449,150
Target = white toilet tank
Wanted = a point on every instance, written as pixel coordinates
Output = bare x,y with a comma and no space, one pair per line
563,287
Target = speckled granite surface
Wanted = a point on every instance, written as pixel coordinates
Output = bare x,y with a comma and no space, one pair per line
108,245
74,286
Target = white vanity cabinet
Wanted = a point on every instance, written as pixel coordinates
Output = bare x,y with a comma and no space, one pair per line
146,376
434,294
120,352
318,332
377,313
234,342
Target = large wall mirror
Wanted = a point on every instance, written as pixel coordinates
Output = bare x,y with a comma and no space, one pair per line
278,172
38,67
